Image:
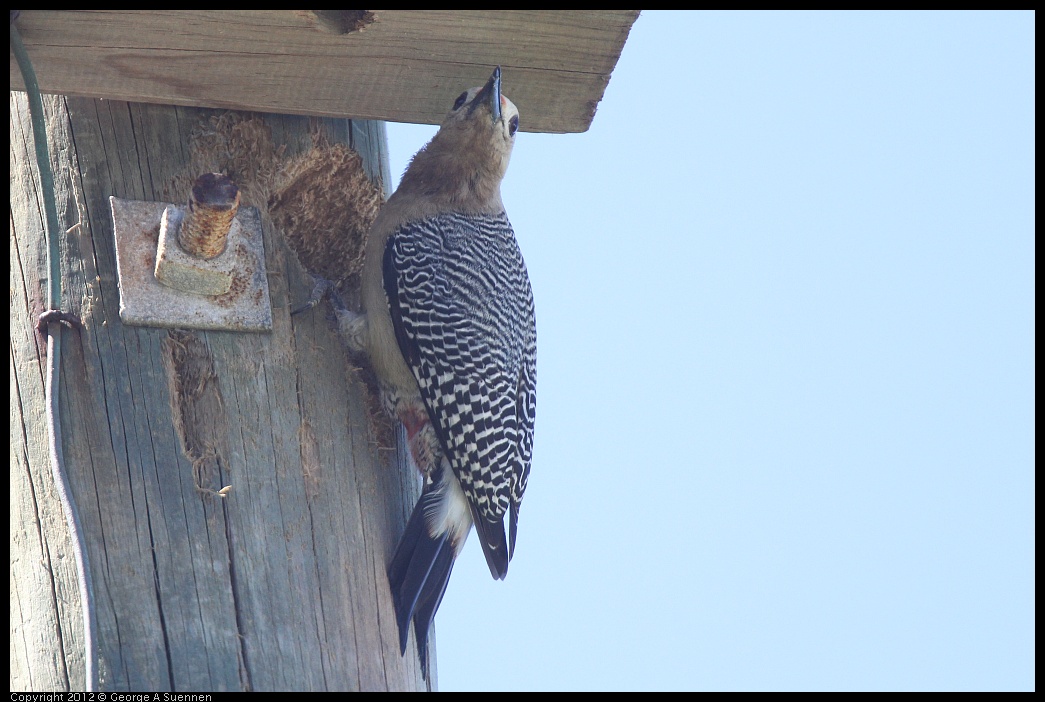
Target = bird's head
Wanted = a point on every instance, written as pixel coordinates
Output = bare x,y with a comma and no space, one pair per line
468,156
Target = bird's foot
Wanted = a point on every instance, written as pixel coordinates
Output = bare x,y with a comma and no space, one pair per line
350,325
322,288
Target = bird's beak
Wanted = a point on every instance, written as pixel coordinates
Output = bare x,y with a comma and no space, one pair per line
492,92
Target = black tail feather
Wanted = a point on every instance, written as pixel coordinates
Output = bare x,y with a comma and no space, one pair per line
429,599
513,527
418,575
495,548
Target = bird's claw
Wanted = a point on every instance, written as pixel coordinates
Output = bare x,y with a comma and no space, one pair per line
322,288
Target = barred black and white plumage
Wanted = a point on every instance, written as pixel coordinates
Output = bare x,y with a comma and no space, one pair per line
462,309
448,327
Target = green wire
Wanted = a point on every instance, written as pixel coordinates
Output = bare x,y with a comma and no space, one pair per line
36,112
54,354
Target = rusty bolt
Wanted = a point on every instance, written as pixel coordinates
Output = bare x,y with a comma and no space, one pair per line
212,207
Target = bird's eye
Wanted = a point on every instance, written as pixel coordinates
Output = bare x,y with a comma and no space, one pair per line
460,100
513,125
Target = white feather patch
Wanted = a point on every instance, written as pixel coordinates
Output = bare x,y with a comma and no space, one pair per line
450,513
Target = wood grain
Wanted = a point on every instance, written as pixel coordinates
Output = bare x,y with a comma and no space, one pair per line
407,66
281,584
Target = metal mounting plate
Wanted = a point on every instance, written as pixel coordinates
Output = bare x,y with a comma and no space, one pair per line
145,301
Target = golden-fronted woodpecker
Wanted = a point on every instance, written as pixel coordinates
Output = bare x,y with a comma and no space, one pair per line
449,328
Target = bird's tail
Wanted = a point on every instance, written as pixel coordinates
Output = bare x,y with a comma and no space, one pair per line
419,572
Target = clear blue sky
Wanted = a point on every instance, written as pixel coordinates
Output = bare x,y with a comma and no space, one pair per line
785,419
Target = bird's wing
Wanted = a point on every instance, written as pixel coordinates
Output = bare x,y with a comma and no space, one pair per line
462,309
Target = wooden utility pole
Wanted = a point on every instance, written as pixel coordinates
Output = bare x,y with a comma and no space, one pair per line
277,583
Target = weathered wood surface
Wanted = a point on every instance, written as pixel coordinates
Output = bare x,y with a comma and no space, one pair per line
279,586
404,66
